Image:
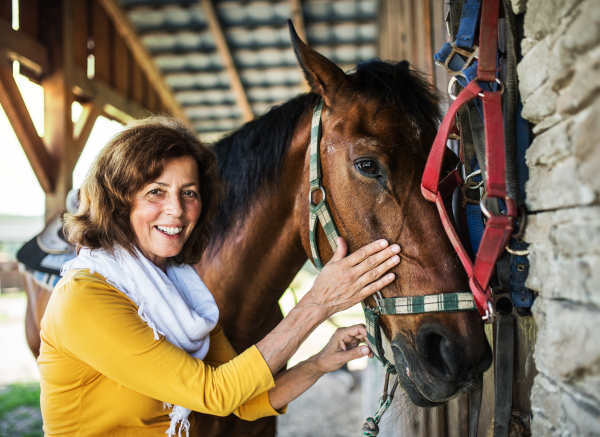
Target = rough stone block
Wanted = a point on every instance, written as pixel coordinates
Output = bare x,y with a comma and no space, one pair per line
566,347
527,44
540,104
533,69
552,146
583,32
587,150
558,186
519,6
584,86
560,412
544,16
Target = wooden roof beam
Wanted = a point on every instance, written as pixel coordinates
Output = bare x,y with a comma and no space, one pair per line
84,125
19,46
113,104
16,111
142,57
227,58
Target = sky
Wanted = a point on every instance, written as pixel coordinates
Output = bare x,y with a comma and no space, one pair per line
20,192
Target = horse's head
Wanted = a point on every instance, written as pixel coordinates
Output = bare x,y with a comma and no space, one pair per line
377,127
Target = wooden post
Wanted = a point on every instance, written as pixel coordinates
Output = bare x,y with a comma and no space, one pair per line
56,33
235,82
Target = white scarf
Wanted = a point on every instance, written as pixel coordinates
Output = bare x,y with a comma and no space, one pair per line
177,304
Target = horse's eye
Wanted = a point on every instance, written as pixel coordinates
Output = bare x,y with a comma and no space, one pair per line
368,168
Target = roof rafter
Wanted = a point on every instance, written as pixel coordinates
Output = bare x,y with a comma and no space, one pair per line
227,58
142,57
16,111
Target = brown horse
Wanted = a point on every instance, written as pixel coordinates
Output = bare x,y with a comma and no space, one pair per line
378,126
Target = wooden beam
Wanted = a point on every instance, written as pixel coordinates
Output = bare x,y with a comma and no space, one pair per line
227,58
85,124
142,57
19,46
14,106
114,105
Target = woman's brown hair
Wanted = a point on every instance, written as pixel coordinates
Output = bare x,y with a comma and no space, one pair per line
132,159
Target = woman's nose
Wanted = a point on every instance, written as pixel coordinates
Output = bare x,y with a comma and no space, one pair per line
175,206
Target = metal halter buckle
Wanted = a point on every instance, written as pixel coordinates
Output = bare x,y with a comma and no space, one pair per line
457,50
453,81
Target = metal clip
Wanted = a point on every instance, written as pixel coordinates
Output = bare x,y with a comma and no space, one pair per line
462,52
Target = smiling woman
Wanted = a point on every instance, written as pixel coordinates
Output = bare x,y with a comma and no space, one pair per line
131,329
166,210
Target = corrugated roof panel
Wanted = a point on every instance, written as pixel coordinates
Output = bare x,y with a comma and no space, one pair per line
189,62
180,81
264,37
177,35
212,112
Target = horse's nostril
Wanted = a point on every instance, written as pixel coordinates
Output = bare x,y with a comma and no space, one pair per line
442,357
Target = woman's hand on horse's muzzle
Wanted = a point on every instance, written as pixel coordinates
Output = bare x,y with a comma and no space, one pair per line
345,281
343,347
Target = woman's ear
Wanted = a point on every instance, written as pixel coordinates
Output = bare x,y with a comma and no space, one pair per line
324,77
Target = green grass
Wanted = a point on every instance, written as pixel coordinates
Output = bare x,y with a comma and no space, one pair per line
19,395
19,410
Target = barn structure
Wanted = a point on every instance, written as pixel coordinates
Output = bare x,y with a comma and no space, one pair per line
219,63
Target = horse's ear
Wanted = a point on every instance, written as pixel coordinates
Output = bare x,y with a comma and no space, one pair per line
323,76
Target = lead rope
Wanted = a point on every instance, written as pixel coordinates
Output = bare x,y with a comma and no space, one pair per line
371,426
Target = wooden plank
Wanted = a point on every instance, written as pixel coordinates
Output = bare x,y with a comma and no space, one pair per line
423,58
21,47
137,88
115,105
81,33
84,125
6,10
29,24
440,36
144,89
227,59
142,57
120,65
20,120
524,370
102,43
151,100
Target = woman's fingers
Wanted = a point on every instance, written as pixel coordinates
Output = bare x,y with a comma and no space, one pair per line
374,287
375,273
365,252
342,250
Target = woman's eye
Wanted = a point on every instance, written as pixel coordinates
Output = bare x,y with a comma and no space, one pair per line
154,192
368,168
189,193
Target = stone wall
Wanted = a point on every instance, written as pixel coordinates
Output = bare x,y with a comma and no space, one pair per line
560,87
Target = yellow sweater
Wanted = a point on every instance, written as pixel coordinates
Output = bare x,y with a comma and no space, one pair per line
103,373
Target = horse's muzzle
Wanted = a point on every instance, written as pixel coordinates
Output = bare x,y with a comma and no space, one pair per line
439,366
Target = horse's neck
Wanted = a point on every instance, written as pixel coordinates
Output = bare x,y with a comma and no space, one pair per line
260,255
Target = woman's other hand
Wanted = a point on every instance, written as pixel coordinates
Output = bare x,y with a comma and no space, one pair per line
345,281
342,348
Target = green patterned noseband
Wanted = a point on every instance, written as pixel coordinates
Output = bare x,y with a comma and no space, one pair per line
396,305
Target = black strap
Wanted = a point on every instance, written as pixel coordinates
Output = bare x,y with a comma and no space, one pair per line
503,368
475,398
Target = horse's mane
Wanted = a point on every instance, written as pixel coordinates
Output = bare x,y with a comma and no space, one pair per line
251,158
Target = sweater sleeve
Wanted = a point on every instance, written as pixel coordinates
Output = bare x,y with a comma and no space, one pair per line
221,352
99,326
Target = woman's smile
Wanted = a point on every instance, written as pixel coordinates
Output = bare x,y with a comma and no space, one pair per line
166,210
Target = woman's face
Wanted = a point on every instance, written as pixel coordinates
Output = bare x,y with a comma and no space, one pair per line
166,210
